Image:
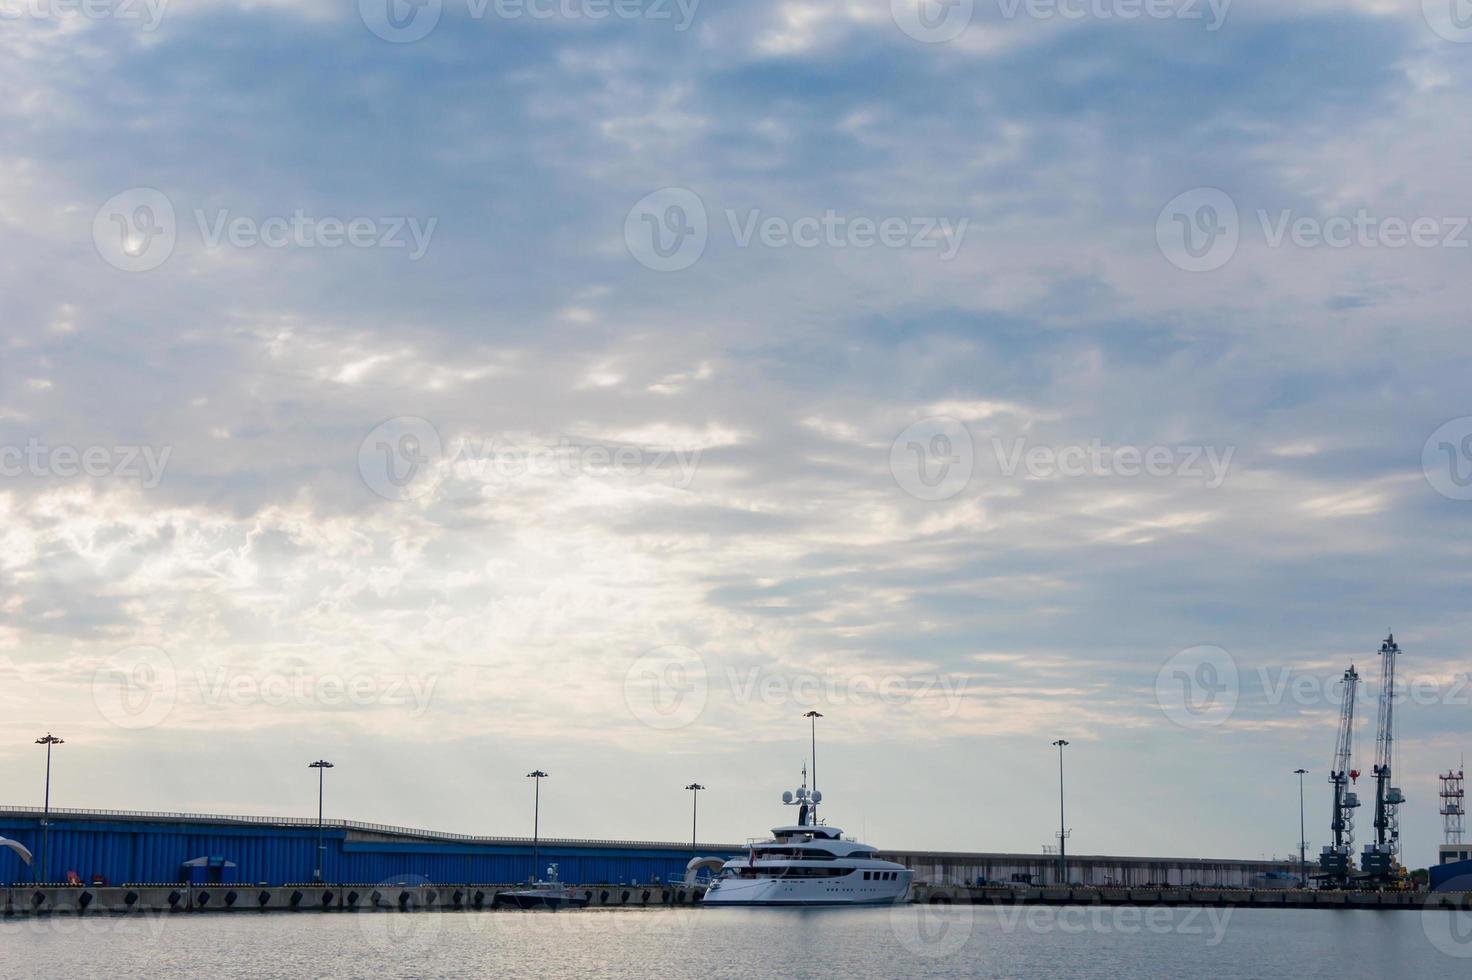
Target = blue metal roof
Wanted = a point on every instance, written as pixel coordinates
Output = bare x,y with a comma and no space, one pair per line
146,848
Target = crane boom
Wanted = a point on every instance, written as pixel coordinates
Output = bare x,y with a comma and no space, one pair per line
1381,858
1334,862
1344,745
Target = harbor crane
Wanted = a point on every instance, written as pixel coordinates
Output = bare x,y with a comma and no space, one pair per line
1336,860
1380,863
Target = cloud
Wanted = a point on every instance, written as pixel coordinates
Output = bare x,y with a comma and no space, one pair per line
760,519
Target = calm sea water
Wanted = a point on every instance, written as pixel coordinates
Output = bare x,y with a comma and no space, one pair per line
943,942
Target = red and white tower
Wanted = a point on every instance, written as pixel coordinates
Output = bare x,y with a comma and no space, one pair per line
1453,813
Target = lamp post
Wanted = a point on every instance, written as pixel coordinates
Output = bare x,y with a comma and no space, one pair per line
1062,832
321,765
45,868
1302,844
694,789
812,717
538,775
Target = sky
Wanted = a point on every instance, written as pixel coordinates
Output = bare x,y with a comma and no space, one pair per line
453,389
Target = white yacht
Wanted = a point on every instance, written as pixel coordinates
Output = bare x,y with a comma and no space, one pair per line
809,863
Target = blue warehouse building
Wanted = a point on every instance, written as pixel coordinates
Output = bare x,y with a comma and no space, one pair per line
115,847
123,847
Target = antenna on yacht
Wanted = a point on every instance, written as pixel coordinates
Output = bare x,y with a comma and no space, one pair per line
807,803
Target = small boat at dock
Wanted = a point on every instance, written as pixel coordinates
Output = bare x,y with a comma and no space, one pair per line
551,895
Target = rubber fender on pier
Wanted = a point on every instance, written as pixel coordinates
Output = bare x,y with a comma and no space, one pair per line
295,898
263,898
478,900
457,898
202,899
353,900
327,897
603,896
376,898
130,899
84,900
38,899
645,899
404,901
230,898
431,896
175,898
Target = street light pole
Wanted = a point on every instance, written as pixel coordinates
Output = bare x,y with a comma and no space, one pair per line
538,775
45,868
321,765
1062,832
812,717
694,789
1302,844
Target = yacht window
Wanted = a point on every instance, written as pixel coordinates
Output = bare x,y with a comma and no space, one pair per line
808,853
866,876
804,871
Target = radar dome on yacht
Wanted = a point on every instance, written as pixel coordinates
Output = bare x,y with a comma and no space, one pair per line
802,793
787,796
817,796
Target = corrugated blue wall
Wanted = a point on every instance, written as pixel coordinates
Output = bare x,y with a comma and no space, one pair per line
140,852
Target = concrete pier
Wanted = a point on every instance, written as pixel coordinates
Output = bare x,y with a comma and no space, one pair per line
383,897
1277,898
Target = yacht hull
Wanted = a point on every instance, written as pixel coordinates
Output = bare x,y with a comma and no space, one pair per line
814,892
